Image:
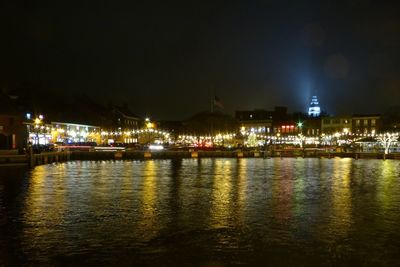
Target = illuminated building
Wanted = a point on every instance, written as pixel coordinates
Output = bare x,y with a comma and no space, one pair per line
42,133
366,124
262,121
74,133
314,110
336,124
256,121
286,128
39,133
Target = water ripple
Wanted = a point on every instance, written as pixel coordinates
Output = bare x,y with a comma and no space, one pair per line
205,212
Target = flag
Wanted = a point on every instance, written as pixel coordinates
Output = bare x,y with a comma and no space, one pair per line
217,102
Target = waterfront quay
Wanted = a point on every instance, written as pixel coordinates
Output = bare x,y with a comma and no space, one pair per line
61,156
34,159
101,155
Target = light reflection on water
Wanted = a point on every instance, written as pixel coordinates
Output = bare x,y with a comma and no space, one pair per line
203,211
221,200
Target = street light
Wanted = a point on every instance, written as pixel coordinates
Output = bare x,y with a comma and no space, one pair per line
149,125
37,122
300,124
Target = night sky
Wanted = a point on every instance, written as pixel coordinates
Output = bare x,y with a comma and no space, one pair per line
167,60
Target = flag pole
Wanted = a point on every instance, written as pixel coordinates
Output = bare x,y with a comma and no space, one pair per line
212,119
212,98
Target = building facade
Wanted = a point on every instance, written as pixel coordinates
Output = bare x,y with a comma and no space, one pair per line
124,119
336,124
255,121
264,121
312,126
12,132
41,133
366,124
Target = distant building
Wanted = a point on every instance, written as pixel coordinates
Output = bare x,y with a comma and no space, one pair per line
366,124
336,124
314,110
12,131
73,133
288,127
257,121
124,119
312,126
262,121
40,132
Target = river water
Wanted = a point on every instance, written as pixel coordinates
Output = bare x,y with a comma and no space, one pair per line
202,212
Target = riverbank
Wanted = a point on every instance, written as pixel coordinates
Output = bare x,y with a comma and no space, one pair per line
84,155
50,157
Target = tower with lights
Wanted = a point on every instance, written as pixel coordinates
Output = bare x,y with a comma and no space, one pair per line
314,110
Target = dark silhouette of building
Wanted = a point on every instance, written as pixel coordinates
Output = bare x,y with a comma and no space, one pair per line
12,131
124,119
209,123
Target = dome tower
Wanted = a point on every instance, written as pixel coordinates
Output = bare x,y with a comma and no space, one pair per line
314,110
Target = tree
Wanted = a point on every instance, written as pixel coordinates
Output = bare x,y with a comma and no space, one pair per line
252,140
300,139
387,139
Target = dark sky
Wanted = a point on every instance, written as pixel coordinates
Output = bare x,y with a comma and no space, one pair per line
166,60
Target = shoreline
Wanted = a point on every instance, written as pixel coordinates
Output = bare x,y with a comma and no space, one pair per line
51,157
